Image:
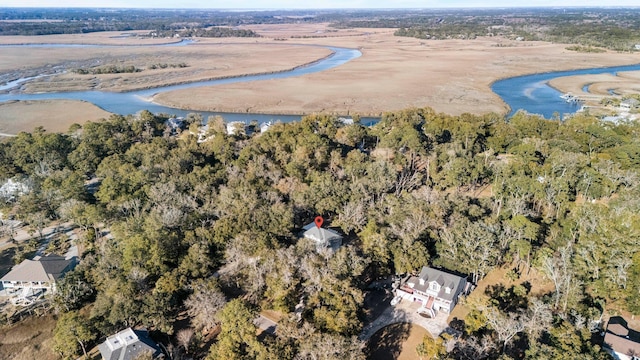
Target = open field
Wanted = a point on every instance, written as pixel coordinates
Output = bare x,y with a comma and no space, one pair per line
451,76
53,115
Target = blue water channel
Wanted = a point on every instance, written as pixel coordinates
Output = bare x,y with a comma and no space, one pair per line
131,102
531,93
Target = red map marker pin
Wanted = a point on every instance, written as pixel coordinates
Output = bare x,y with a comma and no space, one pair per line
318,220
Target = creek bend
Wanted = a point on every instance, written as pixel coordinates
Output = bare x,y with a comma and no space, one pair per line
531,93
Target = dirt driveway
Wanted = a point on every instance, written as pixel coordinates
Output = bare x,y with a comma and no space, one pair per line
405,312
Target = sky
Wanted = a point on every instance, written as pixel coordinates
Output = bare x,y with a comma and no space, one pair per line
308,4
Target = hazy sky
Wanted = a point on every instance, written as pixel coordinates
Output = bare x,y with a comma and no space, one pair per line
306,4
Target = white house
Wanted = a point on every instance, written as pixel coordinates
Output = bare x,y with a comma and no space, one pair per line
265,126
435,289
323,238
620,341
129,344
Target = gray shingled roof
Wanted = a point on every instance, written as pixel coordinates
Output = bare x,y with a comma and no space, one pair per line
454,282
45,269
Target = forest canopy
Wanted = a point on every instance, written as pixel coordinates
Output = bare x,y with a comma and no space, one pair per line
211,228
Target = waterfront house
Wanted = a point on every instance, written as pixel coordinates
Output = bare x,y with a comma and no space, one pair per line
41,273
435,289
236,128
129,344
265,126
30,280
175,124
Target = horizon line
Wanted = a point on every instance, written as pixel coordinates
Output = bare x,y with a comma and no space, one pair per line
334,8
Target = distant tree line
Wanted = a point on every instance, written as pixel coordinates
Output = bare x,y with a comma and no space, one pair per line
205,31
611,28
590,28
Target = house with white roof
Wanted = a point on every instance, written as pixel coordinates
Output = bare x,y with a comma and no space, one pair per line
629,104
322,237
11,189
129,344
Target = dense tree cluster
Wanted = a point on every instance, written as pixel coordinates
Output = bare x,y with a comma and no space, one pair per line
211,227
591,29
110,69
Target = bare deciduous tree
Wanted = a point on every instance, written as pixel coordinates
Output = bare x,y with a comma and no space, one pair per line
185,337
203,306
506,326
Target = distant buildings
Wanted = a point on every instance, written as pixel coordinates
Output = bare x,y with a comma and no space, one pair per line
11,189
241,128
175,125
236,128
629,104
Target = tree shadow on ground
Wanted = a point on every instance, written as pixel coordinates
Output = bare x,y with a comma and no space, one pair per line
376,302
388,342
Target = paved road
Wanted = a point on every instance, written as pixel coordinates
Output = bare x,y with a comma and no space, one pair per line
22,234
405,312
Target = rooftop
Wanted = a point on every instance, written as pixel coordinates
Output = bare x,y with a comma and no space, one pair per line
128,344
319,234
446,280
44,269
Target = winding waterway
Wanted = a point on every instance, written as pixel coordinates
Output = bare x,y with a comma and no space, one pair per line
133,101
531,93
